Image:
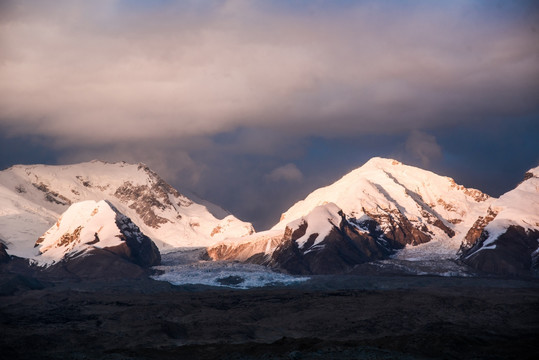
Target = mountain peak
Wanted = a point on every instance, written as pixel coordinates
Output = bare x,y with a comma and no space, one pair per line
381,162
94,224
82,216
427,205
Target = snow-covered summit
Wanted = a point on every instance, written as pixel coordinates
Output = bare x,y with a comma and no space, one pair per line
391,192
91,225
32,197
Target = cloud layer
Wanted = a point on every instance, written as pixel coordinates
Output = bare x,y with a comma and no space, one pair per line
110,71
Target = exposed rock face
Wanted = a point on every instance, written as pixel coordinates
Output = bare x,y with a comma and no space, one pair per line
89,228
516,253
399,231
255,248
474,234
106,263
136,246
312,246
50,196
145,204
506,239
4,256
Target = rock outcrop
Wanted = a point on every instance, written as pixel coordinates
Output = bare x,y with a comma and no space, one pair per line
4,256
515,252
325,242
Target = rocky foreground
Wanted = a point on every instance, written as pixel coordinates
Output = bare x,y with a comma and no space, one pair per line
337,317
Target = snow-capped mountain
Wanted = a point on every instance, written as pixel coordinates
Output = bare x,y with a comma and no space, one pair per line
89,225
33,197
505,239
411,206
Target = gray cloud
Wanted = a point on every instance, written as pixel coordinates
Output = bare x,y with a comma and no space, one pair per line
106,72
288,172
423,147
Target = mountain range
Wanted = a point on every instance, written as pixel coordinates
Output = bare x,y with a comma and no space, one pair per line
34,197
386,208
59,214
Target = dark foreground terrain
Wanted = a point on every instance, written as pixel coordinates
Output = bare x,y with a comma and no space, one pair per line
347,317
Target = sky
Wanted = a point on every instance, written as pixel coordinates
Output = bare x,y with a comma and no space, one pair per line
254,104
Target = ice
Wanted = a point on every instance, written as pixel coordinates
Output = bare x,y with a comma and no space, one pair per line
184,267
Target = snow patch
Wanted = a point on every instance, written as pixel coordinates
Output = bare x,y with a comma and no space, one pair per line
320,221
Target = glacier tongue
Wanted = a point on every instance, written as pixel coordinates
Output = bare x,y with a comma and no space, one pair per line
183,267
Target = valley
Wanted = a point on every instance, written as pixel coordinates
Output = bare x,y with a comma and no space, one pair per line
337,317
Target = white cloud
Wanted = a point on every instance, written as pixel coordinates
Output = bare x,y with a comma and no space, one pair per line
288,172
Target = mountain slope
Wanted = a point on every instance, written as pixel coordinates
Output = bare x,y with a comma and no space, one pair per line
325,242
33,197
90,225
505,240
256,248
